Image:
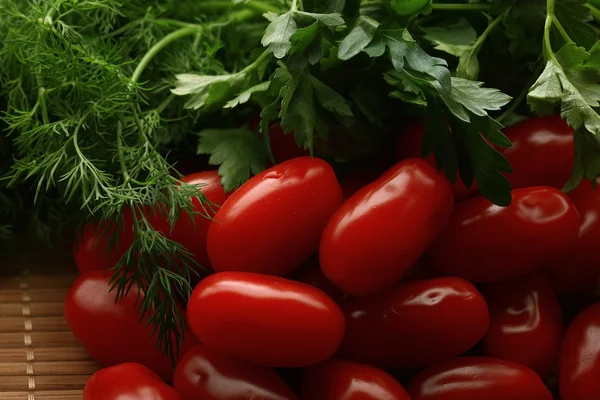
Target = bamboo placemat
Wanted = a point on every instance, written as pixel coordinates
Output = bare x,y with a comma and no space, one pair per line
40,358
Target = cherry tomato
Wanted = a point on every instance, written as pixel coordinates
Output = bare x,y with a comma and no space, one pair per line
129,381
485,243
478,378
577,271
204,373
409,7
381,231
579,362
526,322
91,248
274,221
314,277
267,320
415,324
111,333
542,153
337,379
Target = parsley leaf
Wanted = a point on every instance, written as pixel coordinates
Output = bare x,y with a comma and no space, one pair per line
238,152
278,33
358,38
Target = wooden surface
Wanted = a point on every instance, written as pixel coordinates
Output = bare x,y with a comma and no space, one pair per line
40,358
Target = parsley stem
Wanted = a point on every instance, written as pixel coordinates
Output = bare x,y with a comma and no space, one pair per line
594,11
461,7
561,30
548,52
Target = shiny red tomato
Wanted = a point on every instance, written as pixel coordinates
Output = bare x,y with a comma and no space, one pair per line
579,362
110,332
542,153
274,221
314,277
415,324
577,271
478,378
485,243
204,373
129,381
91,248
267,320
525,322
381,231
337,379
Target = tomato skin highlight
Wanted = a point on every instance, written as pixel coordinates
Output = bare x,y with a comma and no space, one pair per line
204,373
414,324
526,322
337,379
577,271
579,362
110,332
478,378
129,381
267,320
381,231
486,243
273,222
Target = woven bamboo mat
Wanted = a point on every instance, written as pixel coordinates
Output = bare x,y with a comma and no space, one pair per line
40,358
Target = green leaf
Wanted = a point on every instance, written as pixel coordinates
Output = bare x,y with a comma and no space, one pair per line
278,33
237,152
454,39
574,18
547,89
330,99
299,114
376,48
438,139
206,90
468,64
358,38
245,95
303,37
331,20
476,98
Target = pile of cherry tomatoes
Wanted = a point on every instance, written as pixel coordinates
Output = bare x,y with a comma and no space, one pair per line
384,283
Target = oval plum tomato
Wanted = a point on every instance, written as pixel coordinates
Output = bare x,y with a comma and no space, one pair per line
485,243
414,324
408,145
192,234
478,378
204,373
525,322
579,361
273,222
91,248
111,333
542,153
129,381
267,320
577,271
314,277
381,231
337,379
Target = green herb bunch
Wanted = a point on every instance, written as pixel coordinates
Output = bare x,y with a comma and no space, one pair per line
101,97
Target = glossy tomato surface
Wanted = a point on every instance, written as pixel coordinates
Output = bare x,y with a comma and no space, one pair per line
579,362
526,322
415,324
478,378
542,153
129,381
577,271
207,374
110,332
381,231
337,379
267,320
274,221
485,243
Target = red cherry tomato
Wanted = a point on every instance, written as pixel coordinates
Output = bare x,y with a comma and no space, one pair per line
381,231
91,248
336,379
314,277
579,362
542,152
415,324
577,271
267,320
204,373
526,322
485,243
110,332
478,378
128,381
274,221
